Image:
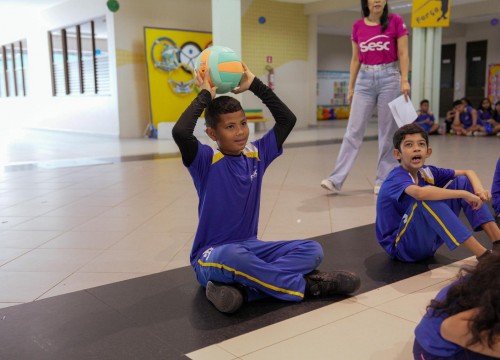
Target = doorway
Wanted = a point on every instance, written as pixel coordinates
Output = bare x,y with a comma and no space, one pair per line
476,71
447,87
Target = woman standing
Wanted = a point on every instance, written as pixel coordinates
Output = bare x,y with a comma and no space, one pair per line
378,75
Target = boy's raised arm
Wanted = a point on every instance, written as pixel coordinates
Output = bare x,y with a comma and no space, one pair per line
437,193
183,130
284,117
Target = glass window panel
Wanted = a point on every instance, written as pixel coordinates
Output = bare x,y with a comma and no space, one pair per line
3,88
10,71
73,60
24,44
87,58
18,70
58,62
102,59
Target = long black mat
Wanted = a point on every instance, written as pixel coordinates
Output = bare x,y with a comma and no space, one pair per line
166,315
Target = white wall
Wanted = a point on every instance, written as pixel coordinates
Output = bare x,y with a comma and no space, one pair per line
86,114
334,52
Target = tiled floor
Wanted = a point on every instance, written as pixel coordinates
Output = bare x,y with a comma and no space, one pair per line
73,216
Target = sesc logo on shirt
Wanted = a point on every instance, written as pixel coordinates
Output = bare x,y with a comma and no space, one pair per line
375,43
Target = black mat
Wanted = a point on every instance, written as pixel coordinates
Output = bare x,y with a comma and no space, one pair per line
166,315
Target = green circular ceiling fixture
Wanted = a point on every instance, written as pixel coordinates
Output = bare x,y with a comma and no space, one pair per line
113,5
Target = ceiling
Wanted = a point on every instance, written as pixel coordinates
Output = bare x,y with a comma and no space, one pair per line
337,16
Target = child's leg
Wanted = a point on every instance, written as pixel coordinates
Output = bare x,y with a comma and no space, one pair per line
282,277
478,219
428,225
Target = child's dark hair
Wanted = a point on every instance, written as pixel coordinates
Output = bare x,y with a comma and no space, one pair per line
220,105
384,19
424,102
467,101
479,288
408,129
457,102
489,109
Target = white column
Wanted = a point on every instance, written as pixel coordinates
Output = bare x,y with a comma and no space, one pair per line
226,27
436,71
417,65
428,61
312,65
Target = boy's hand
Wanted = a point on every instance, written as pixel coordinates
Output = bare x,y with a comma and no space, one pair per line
473,200
246,80
484,195
203,84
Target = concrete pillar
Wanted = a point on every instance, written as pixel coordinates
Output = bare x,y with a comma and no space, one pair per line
426,66
226,27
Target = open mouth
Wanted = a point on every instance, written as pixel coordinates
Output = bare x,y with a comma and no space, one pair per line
416,158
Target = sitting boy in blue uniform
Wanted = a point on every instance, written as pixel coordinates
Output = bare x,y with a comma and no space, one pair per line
230,262
465,121
426,119
418,205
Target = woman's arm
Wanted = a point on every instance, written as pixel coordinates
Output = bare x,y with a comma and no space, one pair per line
456,329
404,65
354,69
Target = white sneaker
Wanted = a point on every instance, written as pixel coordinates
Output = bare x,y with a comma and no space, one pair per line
376,189
327,184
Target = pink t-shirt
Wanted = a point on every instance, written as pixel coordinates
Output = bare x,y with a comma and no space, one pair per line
376,47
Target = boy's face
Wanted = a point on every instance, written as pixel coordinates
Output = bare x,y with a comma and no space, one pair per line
231,133
459,107
424,107
414,151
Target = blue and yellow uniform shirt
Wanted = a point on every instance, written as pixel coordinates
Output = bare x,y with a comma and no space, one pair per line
229,189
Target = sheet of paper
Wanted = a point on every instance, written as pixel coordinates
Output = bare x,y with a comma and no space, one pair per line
403,111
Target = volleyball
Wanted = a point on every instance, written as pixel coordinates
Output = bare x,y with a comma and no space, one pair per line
222,66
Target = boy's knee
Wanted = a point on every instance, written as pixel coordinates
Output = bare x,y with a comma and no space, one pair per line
316,250
461,183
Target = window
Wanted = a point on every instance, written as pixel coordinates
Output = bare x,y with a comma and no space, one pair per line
80,63
13,69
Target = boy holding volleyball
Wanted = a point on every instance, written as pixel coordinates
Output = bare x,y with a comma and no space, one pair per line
228,259
418,205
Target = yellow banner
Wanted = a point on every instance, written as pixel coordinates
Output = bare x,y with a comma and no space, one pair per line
170,59
430,13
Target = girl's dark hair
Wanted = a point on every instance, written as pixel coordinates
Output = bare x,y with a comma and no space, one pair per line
384,19
220,105
477,287
489,109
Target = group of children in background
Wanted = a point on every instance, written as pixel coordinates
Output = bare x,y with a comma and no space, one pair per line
463,119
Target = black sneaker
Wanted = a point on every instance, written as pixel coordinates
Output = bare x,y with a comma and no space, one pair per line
484,255
325,284
225,298
496,247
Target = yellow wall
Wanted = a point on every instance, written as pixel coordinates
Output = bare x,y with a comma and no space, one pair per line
283,36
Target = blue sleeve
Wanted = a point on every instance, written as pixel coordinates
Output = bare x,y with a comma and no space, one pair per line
268,148
442,176
495,190
399,182
201,164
